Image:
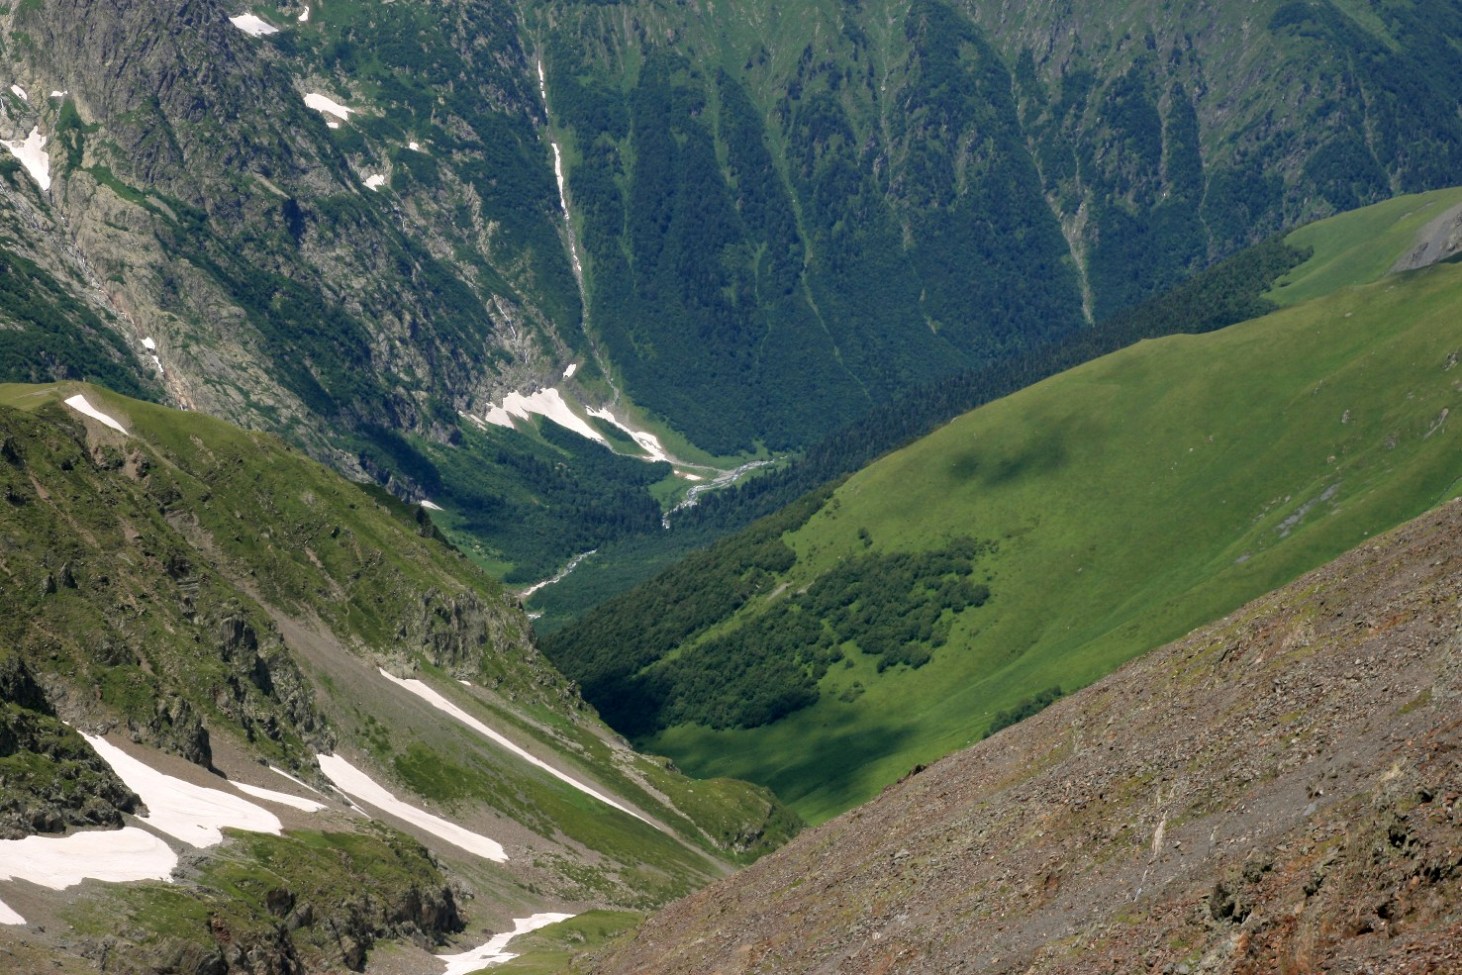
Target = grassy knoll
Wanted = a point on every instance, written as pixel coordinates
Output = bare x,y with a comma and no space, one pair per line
1358,247
1133,498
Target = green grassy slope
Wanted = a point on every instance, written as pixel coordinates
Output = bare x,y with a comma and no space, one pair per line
1131,499
217,595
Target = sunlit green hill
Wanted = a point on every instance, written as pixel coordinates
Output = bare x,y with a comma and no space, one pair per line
1124,502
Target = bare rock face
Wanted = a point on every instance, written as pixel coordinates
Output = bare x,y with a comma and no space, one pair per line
1279,791
1438,240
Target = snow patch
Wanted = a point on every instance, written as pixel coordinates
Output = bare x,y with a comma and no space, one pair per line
375,181
253,26
568,373
329,106
305,15
283,798
464,683
430,696
149,345
32,155
158,362
546,403
59,94
302,785
429,506
414,146
493,953
80,405
191,813
648,442
689,476
354,782
58,862
20,93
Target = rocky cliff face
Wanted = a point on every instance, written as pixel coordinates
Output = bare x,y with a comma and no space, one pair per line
217,214
1277,792
775,221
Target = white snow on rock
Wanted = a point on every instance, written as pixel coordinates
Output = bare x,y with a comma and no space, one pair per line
353,782
375,182
59,94
32,155
430,506
20,93
493,953
546,403
59,862
253,26
302,785
568,373
329,106
414,146
305,15
648,442
421,690
283,798
149,344
80,405
188,812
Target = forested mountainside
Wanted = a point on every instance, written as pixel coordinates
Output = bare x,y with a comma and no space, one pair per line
1276,792
289,712
367,225
1028,547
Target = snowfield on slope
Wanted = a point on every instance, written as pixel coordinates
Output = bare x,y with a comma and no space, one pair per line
547,403
253,26
356,784
59,862
430,696
188,812
32,155
80,404
492,953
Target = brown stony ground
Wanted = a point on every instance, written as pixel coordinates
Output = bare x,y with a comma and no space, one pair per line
1279,792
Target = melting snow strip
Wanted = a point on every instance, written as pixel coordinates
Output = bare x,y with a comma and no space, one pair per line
283,798
648,442
353,782
191,813
429,506
303,785
492,952
20,93
80,405
421,690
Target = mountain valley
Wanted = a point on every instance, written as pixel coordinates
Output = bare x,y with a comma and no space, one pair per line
634,486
